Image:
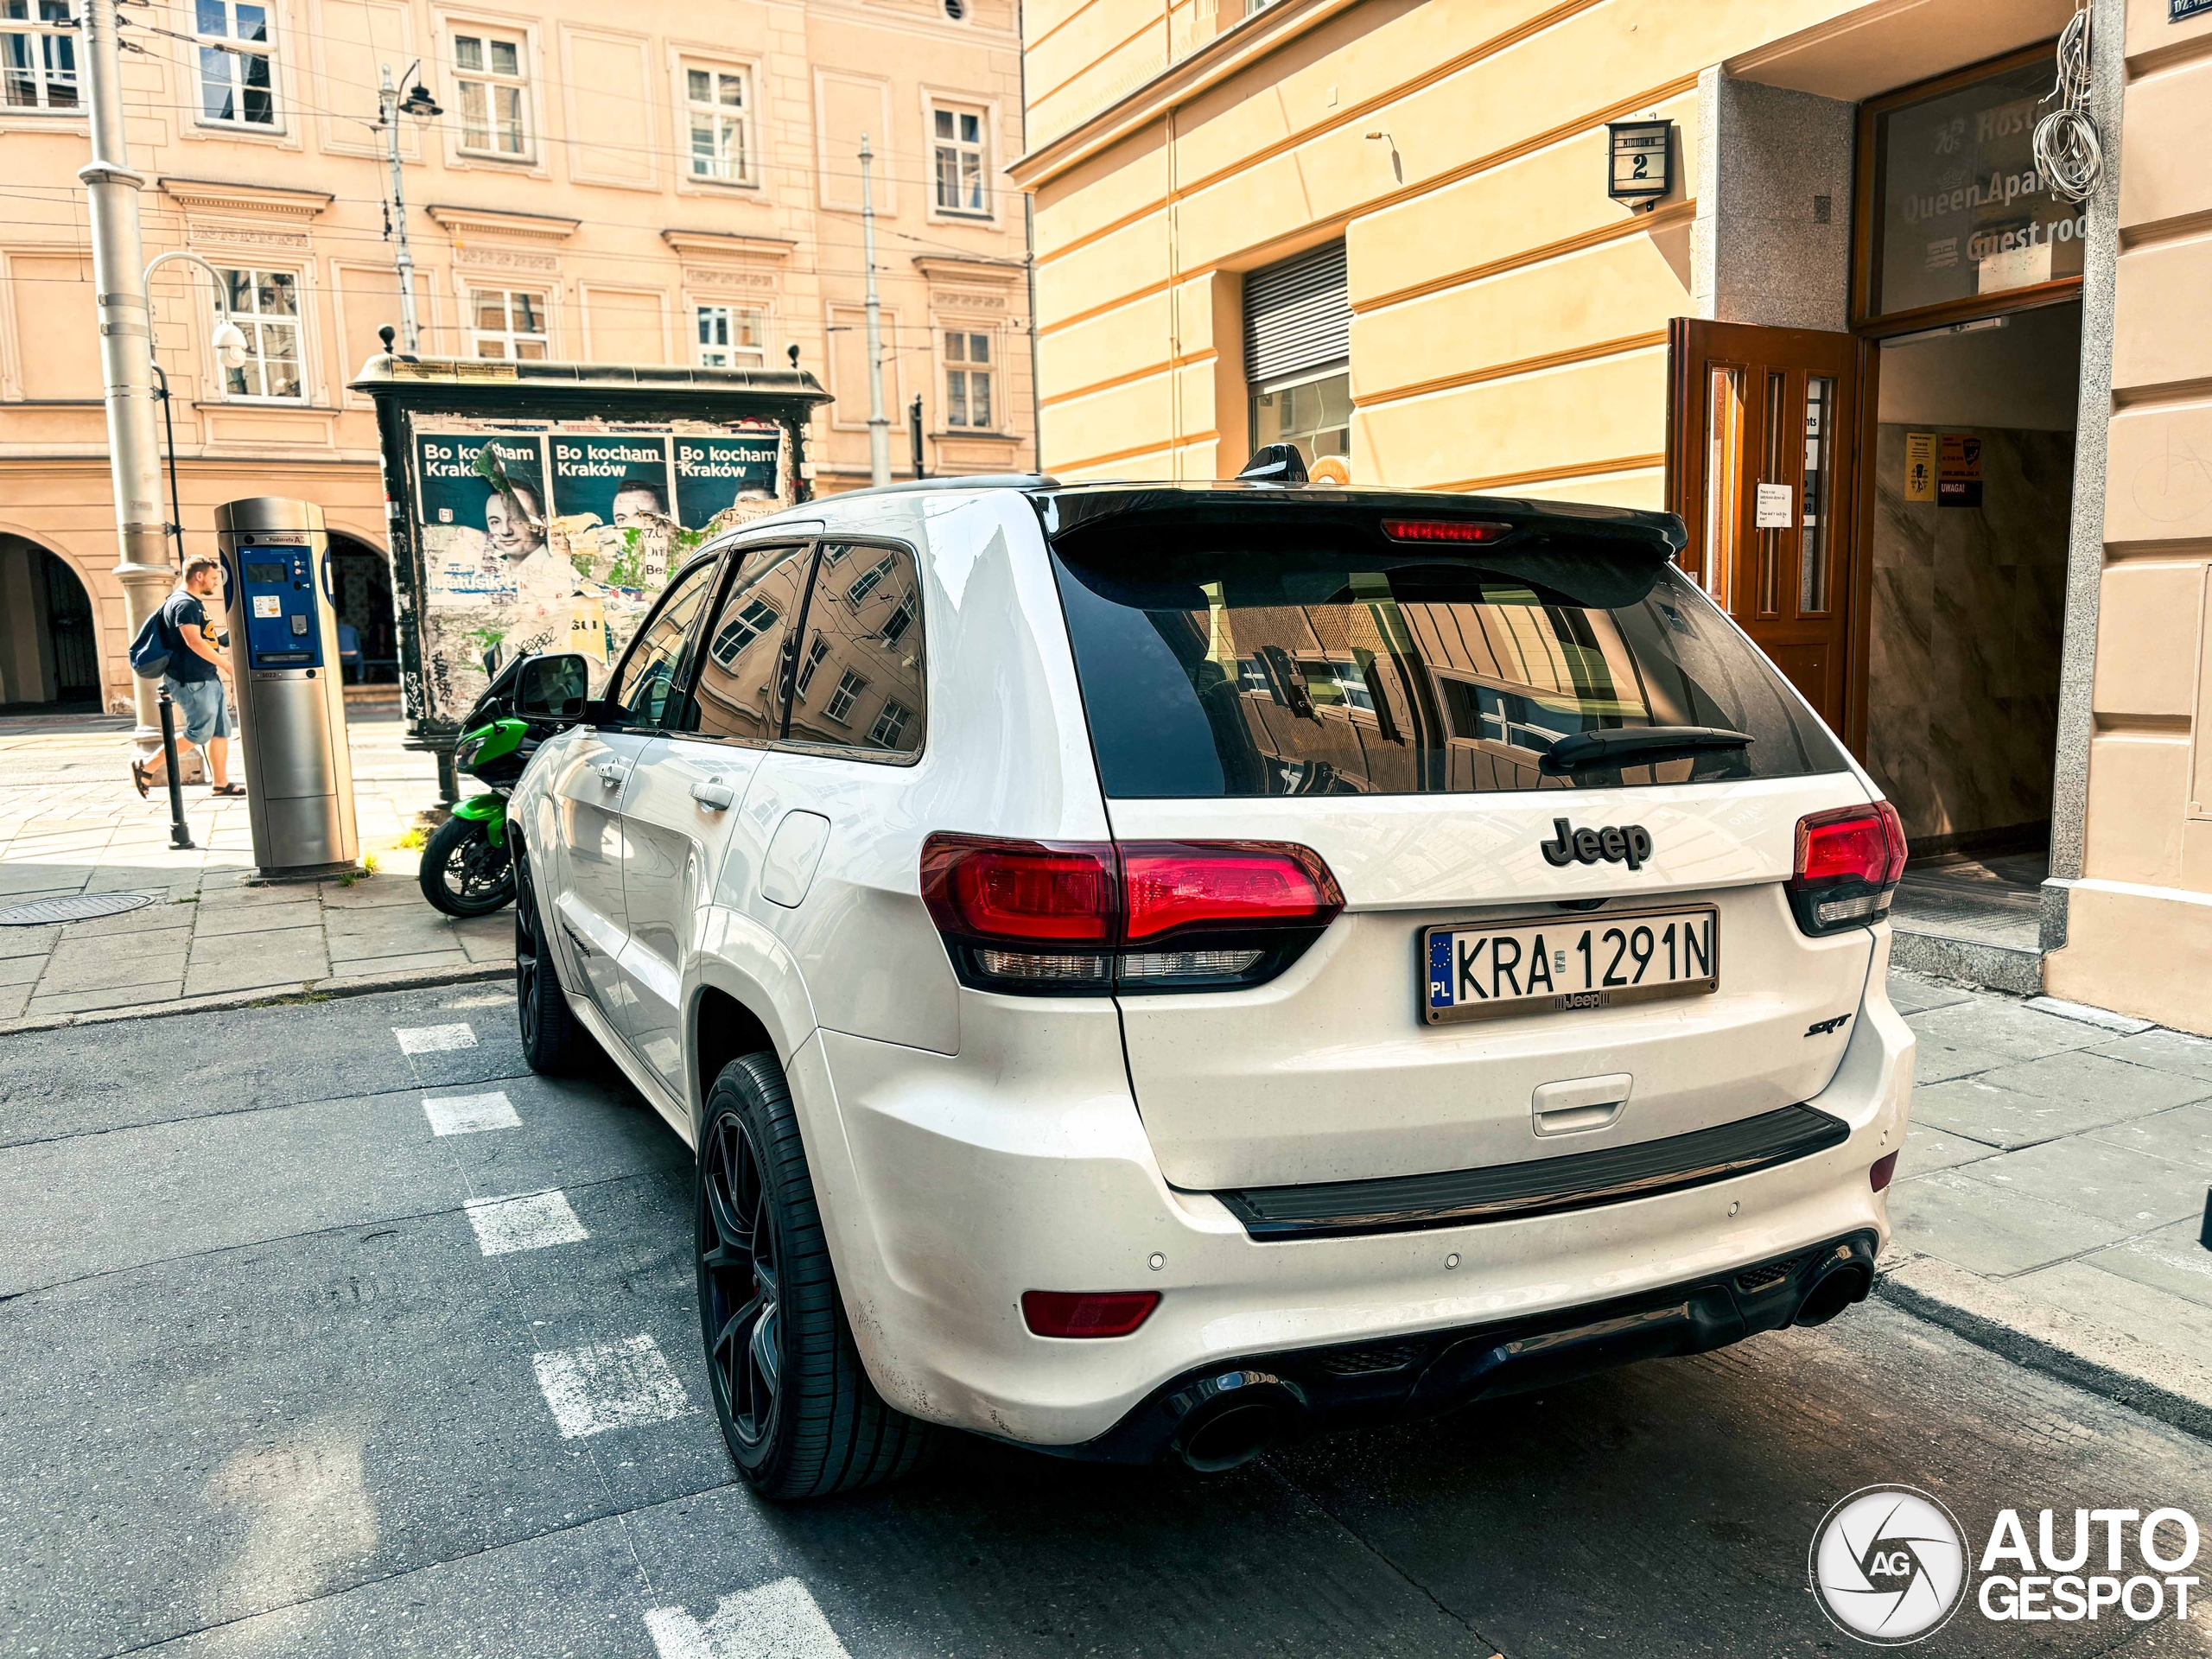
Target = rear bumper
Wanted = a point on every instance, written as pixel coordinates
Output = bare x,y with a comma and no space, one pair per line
951,1184
1342,1386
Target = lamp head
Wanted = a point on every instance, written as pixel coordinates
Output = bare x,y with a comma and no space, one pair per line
230,345
419,103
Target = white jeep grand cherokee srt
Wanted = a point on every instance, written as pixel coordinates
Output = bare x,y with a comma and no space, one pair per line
1148,969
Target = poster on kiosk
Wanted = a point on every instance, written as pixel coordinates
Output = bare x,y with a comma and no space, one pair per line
542,506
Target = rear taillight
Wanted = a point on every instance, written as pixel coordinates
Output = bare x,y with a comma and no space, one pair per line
1070,918
1848,862
1086,1312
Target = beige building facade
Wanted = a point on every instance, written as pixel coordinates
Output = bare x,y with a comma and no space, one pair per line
646,185
1789,268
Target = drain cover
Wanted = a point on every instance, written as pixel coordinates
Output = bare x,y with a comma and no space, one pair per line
73,907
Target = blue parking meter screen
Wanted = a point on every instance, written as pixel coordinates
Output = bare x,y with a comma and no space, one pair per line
281,627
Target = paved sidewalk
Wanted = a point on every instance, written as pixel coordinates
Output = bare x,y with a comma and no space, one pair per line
2050,1195
70,822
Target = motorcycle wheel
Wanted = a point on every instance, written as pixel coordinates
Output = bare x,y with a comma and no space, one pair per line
463,873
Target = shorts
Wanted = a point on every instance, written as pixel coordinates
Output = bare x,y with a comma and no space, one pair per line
201,712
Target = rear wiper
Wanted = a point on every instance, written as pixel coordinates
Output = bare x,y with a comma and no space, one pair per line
1622,745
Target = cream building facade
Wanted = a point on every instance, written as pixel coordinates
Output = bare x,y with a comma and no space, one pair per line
647,185
1940,435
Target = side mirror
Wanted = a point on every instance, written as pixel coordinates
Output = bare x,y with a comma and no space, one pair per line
552,687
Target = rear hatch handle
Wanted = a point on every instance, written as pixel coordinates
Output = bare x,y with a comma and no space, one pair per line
1579,1104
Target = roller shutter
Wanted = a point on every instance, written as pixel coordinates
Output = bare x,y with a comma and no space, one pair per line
1297,316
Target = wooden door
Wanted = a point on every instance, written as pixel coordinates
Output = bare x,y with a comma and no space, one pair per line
1763,432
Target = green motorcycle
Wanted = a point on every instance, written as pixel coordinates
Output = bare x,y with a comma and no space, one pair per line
466,867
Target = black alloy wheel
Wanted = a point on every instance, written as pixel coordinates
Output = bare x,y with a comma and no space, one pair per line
795,1406
553,1043
738,1291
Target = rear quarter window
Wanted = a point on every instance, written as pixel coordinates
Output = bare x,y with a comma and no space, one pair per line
1220,662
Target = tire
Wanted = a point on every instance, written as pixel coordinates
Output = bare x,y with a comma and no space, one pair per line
463,873
553,1043
800,1416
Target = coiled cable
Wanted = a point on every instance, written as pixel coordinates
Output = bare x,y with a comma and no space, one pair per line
2068,152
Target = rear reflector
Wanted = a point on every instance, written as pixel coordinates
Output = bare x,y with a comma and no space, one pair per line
1878,1173
1072,918
1086,1312
1847,865
1443,530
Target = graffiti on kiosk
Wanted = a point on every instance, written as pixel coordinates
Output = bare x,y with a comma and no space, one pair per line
558,535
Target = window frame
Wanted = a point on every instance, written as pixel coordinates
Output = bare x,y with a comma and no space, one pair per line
746,120
522,81
964,367
676,718
986,113
251,324
238,50
732,311
543,295
66,31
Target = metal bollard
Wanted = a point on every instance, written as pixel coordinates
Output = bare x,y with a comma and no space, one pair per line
180,832
2204,1233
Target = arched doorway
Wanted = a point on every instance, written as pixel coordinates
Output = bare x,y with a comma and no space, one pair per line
362,579
49,643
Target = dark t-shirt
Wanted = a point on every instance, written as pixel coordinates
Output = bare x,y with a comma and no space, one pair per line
187,666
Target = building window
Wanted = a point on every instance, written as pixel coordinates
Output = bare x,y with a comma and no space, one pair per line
967,380
730,337
740,631
889,725
509,323
958,152
841,700
488,72
38,54
894,628
1315,414
233,38
815,653
721,115
866,583
266,305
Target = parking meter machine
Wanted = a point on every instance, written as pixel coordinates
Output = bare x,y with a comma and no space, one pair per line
280,598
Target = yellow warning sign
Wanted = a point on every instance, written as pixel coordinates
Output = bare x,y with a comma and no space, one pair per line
1920,466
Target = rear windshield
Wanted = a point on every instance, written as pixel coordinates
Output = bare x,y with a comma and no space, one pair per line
1236,661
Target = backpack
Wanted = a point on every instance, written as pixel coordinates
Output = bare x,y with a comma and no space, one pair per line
150,651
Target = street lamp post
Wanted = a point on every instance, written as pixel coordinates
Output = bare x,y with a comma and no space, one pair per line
879,423
419,104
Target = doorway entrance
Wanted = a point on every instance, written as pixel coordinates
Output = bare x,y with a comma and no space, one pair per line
1761,446
49,643
368,632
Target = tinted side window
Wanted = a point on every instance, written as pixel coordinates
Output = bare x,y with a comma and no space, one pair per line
858,680
740,694
638,694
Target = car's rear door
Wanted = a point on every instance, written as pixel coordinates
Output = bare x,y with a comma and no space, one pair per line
687,790
1390,705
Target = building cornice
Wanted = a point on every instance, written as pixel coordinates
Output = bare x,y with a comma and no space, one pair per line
729,244
263,200
500,222
1235,49
952,268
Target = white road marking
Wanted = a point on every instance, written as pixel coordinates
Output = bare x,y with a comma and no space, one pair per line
467,1113
533,1221
610,1385
776,1621
434,1040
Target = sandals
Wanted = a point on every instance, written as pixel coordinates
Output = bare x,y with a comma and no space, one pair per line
141,777
229,789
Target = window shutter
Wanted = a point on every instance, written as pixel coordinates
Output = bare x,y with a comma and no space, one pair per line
1297,316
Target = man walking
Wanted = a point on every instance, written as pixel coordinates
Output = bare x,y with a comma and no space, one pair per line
194,678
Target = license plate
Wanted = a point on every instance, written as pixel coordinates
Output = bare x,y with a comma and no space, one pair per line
1595,962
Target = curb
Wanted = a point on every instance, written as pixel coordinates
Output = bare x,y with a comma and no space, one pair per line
2173,1388
265,996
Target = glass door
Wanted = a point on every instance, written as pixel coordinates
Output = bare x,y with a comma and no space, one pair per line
1762,428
